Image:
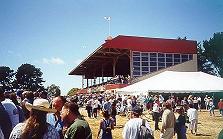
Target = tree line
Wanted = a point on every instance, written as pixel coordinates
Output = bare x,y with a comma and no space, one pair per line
27,77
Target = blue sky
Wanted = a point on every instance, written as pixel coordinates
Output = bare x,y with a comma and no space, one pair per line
56,35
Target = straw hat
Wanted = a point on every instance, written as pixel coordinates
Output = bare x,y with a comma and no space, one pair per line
41,105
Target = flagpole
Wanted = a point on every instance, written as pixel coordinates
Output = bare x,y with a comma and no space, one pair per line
109,24
109,27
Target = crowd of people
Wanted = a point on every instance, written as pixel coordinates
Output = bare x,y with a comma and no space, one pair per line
27,114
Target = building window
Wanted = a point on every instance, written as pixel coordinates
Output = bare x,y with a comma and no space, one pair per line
136,58
136,68
136,54
136,63
184,57
169,60
177,58
147,62
145,69
190,57
145,58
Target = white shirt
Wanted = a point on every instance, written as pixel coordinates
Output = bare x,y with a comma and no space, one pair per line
95,104
199,99
132,127
129,103
192,114
12,111
161,99
156,107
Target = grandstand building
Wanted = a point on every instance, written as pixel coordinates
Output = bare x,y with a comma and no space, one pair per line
137,58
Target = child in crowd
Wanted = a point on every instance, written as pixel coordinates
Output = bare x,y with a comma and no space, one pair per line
211,107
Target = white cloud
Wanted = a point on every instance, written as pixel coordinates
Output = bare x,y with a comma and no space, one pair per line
53,60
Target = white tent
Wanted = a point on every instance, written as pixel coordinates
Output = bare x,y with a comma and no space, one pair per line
176,82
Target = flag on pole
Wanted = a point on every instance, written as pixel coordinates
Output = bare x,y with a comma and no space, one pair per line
107,18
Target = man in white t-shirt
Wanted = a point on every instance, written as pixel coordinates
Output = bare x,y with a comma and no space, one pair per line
11,109
132,127
129,103
193,118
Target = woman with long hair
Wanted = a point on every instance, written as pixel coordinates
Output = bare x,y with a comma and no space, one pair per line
36,127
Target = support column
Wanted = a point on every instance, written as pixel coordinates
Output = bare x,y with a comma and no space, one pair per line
82,81
102,73
131,64
91,82
94,80
87,82
114,66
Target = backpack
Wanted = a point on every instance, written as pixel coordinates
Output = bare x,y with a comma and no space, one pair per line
144,132
107,126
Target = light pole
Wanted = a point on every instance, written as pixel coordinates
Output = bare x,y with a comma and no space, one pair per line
108,18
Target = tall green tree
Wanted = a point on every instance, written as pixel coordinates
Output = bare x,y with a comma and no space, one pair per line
210,55
6,78
53,90
29,77
203,63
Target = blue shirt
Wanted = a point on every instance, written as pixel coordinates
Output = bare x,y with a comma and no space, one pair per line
12,111
51,119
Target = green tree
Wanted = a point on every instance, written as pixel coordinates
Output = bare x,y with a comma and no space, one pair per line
29,77
6,78
73,91
203,64
210,55
53,90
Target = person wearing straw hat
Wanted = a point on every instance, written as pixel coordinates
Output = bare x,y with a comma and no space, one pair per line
35,126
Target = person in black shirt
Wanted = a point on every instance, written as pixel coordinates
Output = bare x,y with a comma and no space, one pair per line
180,127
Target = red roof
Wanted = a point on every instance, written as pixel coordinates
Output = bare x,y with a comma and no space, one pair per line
120,48
145,44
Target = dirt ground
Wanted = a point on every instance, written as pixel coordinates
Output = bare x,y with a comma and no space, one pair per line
208,126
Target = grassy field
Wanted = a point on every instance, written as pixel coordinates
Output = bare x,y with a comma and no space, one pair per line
208,126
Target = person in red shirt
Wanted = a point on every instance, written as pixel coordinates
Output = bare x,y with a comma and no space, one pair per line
220,107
